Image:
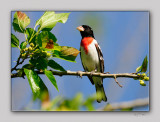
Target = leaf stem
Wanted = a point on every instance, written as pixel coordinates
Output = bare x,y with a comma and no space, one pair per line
26,37
19,48
34,35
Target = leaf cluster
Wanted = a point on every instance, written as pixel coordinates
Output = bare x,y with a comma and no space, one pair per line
40,47
141,72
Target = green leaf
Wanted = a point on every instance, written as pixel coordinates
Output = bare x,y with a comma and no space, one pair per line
36,84
20,21
55,47
14,41
23,45
28,66
90,107
39,62
55,65
51,78
66,53
139,69
49,19
30,32
144,64
44,37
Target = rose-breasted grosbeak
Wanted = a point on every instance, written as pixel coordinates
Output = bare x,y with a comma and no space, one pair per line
92,59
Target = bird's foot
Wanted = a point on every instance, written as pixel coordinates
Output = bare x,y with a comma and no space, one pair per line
91,73
79,73
106,72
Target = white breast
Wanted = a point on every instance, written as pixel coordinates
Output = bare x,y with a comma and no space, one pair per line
90,60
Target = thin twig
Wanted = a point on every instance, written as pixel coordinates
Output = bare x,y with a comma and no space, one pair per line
117,81
18,62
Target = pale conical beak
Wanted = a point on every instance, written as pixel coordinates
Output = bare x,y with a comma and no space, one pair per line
80,28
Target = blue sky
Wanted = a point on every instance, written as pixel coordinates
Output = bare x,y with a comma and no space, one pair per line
124,40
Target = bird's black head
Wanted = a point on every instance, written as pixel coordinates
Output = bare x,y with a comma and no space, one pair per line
85,31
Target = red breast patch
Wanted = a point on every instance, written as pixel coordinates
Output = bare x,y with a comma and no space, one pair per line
85,42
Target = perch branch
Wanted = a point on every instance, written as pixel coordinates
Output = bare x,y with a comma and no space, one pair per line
80,73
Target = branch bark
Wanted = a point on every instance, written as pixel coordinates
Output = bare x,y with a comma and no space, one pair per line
80,73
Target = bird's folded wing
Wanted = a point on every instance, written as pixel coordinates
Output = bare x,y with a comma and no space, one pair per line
100,55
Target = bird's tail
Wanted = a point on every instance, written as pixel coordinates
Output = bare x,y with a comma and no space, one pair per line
100,93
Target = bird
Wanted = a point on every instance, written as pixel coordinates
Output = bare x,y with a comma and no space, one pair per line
92,59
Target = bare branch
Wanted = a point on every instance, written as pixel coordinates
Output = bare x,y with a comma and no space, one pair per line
80,73
126,105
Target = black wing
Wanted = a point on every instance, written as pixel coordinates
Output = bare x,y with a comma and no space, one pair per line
100,55
90,78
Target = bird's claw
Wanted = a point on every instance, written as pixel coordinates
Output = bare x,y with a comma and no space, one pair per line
107,73
91,73
80,74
